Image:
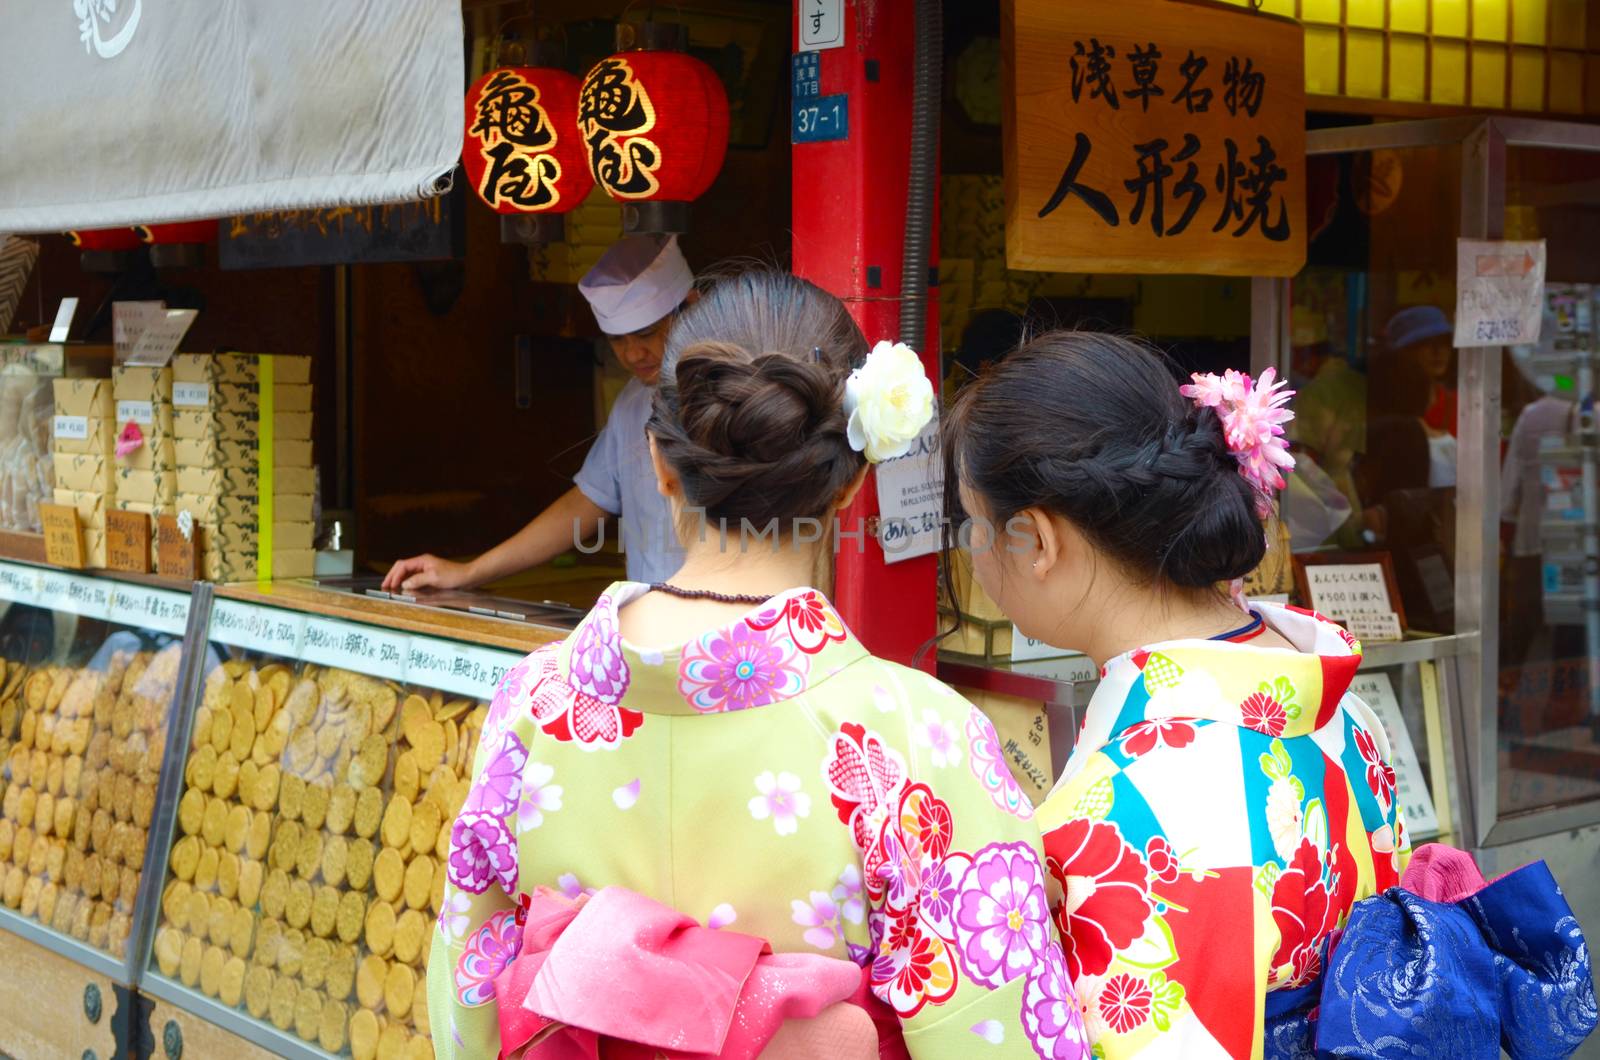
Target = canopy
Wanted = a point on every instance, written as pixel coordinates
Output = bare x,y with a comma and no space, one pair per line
126,112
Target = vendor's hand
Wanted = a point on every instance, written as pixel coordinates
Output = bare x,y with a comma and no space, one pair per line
427,572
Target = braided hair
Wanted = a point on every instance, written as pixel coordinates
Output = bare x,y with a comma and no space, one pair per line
750,408
1091,427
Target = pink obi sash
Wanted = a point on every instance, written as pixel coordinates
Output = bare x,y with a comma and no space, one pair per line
618,975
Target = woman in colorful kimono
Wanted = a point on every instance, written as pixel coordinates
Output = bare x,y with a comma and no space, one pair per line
723,750
1228,799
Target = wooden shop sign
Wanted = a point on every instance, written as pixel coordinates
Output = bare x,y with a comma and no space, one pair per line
177,555
128,541
63,535
1151,136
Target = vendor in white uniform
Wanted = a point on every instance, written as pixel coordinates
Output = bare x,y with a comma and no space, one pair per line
635,290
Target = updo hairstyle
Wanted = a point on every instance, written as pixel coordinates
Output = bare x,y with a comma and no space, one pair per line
1091,427
750,408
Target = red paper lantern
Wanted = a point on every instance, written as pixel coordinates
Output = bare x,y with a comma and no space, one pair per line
521,149
655,124
105,239
182,232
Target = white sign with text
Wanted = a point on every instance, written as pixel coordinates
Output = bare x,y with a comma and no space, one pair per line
1411,787
1499,292
911,499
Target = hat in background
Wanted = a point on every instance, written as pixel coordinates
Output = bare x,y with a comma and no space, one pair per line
1417,324
637,282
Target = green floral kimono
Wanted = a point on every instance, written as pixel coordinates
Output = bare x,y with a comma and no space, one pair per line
773,778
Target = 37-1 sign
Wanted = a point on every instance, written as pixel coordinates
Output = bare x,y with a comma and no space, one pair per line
821,119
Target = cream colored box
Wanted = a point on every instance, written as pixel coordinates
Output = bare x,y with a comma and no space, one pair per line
147,487
197,452
139,382
291,509
140,506
296,563
245,397
80,435
291,452
205,481
91,507
161,455
90,472
94,547
84,397
214,508
247,536
295,426
291,481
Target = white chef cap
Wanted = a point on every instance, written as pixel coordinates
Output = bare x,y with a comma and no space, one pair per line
640,280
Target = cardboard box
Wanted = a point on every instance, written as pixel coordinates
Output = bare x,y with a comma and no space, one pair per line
141,506
238,368
154,455
84,397
91,507
286,452
85,435
146,487
246,537
205,481
153,417
89,472
94,547
142,383
197,452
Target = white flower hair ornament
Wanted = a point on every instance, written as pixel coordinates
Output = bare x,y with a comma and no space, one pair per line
888,401
1253,413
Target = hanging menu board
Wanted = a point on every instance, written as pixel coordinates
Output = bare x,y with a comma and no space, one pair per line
430,230
1151,136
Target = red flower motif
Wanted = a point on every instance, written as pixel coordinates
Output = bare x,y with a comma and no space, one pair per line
1380,774
1162,859
925,819
1146,736
866,778
812,622
1304,914
573,716
1106,894
1264,714
1125,1003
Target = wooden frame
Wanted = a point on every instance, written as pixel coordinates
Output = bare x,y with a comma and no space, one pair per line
1328,559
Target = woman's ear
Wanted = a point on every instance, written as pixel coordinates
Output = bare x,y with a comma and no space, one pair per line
667,482
1048,540
842,500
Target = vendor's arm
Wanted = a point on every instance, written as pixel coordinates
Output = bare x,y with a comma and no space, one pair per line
572,518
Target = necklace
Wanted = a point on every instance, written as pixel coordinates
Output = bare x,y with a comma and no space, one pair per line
707,594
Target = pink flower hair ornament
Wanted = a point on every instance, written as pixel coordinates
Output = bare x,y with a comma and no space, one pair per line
1253,412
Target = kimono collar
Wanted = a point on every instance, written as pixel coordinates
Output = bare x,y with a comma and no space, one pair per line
774,652
1272,690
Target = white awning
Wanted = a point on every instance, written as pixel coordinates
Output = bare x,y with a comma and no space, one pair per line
126,112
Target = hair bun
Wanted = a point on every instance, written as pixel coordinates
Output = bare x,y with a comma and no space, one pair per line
756,409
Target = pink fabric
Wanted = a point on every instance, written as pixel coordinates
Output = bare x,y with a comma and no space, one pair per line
618,975
1442,874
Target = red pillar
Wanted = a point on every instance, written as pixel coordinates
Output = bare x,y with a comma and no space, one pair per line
849,209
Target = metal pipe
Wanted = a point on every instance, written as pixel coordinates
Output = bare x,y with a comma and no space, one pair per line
924,172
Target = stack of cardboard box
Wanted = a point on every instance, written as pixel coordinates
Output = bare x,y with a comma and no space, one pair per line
147,475
229,479
85,438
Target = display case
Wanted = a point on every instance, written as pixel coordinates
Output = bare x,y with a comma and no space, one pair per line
303,866
91,686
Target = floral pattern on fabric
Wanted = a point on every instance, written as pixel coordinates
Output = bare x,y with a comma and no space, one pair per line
865,777
989,766
1107,894
573,716
492,947
780,799
809,621
498,786
1380,774
539,796
739,668
1050,1014
1002,919
1304,913
482,851
1146,736
597,665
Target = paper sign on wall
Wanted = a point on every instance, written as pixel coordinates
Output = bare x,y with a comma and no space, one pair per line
159,339
911,499
128,320
1499,292
1411,787
821,24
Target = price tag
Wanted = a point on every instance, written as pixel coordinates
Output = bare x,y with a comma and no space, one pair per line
128,320
144,608
74,594
128,541
261,629
191,395
1340,589
1374,626
911,499
72,428
64,314
459,668
141,412
177,555
162,332
19,584
63,537
363,649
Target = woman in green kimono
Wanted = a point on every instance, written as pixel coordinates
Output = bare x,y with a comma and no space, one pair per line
725,746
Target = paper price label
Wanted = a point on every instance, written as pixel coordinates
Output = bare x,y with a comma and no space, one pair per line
141,412
145,608
262,629
191,395
19,584
363,649
459,668
1374,626
74,595
72,428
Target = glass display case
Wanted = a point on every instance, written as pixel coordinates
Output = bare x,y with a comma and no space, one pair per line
92,682
303,865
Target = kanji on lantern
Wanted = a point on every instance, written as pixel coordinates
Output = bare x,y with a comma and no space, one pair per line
521,149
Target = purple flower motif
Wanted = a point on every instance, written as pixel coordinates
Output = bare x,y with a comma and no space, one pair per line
482,852
988,764
492,947
740,668
1050,1015
514,687
597,665
940,887
847,894
859,955
1002,919
498,787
